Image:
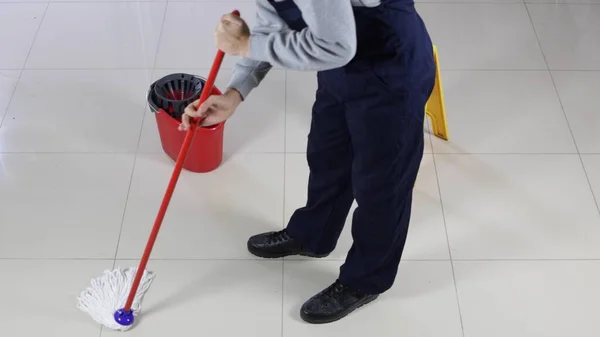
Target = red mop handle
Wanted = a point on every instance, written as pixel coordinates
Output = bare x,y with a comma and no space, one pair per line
206,92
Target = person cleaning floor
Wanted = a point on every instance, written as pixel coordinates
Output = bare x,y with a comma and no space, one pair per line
376,70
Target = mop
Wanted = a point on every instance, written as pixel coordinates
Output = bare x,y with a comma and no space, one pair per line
114,298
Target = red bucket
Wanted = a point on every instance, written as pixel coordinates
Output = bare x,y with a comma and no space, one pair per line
168,98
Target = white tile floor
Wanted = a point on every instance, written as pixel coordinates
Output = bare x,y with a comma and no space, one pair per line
505,239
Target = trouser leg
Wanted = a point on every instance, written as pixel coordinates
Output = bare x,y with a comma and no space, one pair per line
317,225
388,147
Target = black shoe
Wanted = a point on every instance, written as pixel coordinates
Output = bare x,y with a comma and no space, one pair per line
277,244
333,303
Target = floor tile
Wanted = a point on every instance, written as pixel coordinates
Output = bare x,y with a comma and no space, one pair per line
98,35
75,111
301,88
211,215
109,0
22,1
211,298
503,112
62,205
592,167
476,36
427,234
529,298
80,160
39,297
8,82
300,96
257,125
518,207
424,293
149,139
188,34
468,1
577,91
19,23
568,34
564,1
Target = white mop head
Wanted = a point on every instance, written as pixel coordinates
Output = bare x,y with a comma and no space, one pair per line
108,293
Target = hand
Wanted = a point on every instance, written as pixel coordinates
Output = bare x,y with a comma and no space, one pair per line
214,110
233,36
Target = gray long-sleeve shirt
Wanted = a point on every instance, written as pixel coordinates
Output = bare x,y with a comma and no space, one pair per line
328,42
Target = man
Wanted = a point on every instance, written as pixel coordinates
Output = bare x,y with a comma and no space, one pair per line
375,73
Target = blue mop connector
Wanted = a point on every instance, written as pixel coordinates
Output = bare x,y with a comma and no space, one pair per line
123,317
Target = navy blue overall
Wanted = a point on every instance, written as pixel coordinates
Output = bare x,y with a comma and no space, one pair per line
366,142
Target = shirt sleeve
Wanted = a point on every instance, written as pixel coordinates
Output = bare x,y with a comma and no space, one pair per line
328,42
247,75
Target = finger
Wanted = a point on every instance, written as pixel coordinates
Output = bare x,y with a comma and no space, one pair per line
225,33
217,38
232,19
185,122
211,119
191,112
191,108
204,107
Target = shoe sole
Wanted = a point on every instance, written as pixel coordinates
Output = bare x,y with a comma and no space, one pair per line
261,254
337,318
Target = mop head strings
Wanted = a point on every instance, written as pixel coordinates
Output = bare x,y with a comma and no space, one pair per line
108,293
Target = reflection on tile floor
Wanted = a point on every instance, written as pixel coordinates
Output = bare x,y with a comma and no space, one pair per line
505,237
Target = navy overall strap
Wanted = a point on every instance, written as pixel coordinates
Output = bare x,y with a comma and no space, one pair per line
290,13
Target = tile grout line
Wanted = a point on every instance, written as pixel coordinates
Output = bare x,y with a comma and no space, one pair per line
150,75
547,2
587,177
24,63
433,154
293,260
136,153
297,152
5,112
462,326
131,175
278,69
273,70
590,183
285,97
37,32
441,196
